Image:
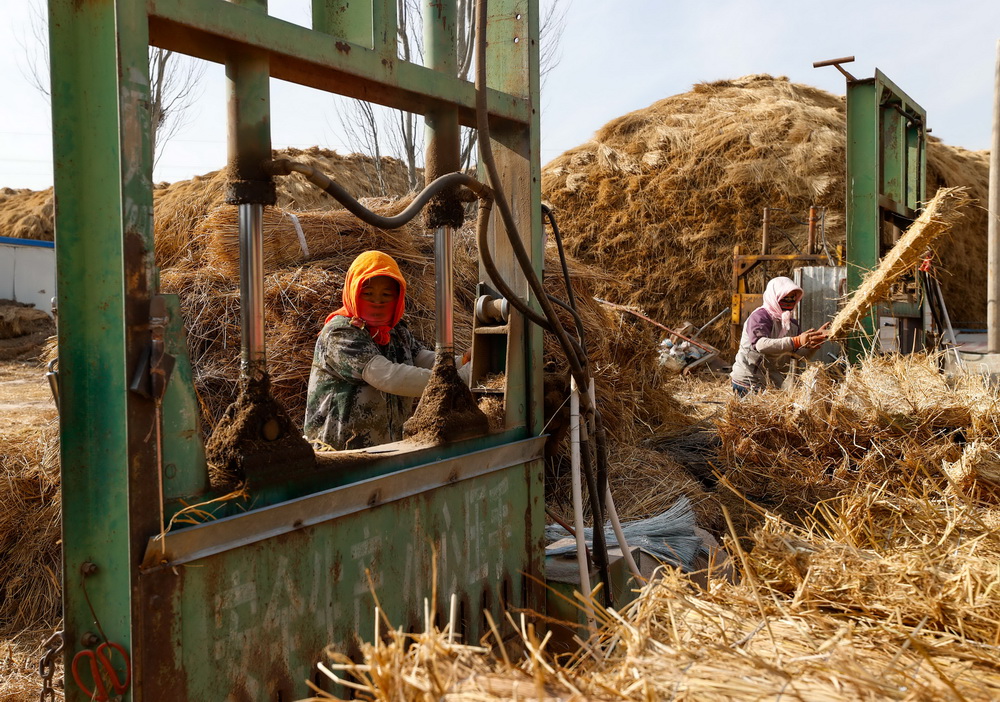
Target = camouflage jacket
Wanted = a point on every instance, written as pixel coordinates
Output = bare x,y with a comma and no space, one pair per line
342,410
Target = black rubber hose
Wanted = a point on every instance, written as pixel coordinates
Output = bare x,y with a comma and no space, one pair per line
581,377
284,166
577,344
482,241
600,435
570,297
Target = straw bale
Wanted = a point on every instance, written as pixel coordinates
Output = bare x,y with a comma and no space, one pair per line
939,216
30,521
179,207
892,421
661,195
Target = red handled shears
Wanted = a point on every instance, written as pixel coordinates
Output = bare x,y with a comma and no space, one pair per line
100,666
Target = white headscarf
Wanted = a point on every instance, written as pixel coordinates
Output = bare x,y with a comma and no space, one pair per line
776,289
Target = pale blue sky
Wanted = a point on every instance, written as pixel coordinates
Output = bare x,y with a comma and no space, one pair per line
616,57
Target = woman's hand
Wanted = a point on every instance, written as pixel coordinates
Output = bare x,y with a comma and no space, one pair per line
811,338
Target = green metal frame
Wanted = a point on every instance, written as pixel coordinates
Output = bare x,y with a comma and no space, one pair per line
886,178
241,608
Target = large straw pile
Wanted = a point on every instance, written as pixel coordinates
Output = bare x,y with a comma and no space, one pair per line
661,195
178,207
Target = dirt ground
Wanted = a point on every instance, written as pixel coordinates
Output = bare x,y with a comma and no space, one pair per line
25,398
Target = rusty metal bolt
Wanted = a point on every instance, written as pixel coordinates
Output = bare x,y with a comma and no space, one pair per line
88,568
90,639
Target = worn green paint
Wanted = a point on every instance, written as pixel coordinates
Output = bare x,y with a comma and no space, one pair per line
367,23
512,67
102,165
248,612
886,159
184,471
93,435
179,626
350,20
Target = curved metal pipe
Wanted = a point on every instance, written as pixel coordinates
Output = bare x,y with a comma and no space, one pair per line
284,166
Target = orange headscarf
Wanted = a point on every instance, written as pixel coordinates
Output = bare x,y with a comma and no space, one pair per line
365,267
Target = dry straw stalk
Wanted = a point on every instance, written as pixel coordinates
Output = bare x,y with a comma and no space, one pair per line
940,215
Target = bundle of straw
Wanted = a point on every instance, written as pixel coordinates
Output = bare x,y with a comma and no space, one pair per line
30,504
940,215
295,237
892,421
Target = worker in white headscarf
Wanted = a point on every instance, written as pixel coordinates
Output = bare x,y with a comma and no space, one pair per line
771,338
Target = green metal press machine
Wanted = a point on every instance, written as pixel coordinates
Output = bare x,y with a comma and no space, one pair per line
241,608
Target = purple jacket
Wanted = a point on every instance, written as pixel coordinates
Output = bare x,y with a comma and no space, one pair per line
765,353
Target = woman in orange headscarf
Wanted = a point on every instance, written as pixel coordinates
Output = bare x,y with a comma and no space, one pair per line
367,367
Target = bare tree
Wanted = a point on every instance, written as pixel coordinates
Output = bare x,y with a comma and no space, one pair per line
173,88
402,131
173,81
363,131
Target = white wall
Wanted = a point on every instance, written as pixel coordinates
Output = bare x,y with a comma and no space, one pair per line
28,274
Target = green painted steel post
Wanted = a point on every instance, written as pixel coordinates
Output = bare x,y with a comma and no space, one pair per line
248,83
512,67
103,163
863,219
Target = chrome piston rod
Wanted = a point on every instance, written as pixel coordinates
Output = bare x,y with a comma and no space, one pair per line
251,228
444,290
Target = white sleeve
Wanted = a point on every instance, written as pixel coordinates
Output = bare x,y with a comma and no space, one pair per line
465,373
395,378
424,359
772,347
